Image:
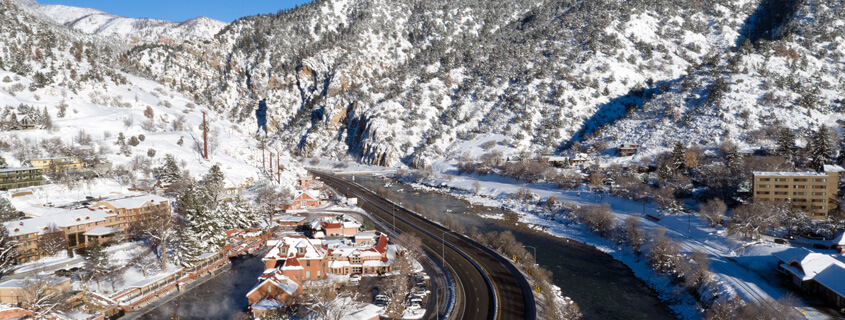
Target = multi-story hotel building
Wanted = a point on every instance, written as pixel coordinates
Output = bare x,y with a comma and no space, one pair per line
61,163
13,178
813,192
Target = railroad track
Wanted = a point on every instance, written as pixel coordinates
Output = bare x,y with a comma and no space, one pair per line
489,286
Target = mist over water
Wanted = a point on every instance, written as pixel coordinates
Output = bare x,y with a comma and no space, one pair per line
223,297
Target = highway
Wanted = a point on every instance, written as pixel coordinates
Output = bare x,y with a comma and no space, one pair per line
488,286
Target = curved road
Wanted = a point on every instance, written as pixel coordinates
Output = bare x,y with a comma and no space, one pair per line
488,286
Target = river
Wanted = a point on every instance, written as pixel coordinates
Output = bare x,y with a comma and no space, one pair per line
221,297
603,287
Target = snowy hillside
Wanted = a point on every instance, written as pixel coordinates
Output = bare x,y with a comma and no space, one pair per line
392,82
132,122
130,30
792,76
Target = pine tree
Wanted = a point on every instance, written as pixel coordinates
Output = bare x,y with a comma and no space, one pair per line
678,156
3,163
821,149
786,144
202,216
46,120
189,247
7,211
96,260
214,182
8,253
734,159
169,172
239,214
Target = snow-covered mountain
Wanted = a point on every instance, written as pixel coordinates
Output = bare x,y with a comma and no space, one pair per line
129,30
405,82
413,83
49,71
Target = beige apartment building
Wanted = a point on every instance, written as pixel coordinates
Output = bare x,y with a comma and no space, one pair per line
61,163
813,192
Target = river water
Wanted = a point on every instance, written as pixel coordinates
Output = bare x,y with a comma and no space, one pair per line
603,287
221,297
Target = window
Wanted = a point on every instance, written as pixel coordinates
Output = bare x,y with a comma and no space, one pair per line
819,193
764,179
800,179
820,187
308,263
318,274
782,186
781,179
820,180
799,186
799,193
308,275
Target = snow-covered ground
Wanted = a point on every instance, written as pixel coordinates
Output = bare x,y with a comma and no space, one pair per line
740,268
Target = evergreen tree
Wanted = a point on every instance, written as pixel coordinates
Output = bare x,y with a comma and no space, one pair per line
96,260
169,172
821,149
3,163
734,159
189,248
201,214
678,156
46,120
786,144
8,253
239,214
214,182
7,211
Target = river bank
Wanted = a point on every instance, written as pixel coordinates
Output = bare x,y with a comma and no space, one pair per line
603,287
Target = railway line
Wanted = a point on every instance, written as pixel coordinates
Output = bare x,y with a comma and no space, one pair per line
488,286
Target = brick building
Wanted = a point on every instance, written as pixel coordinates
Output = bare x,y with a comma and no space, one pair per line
134,209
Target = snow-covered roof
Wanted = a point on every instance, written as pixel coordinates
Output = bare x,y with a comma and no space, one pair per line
53,158
833,168
366,312
61,219
831,278
839,239
136,202
789,174
558,159
101,231
805,264
280,281
267,304
18,169
290,219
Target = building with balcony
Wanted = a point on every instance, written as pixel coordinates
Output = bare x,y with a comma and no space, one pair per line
813,192
14,178
61,163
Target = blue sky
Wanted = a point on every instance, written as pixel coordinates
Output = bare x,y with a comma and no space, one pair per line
181,10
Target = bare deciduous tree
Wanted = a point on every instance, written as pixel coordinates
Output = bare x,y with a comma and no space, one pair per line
713,211
52,241
752,219
634,233
39,296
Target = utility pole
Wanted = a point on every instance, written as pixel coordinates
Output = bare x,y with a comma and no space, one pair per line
204,137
